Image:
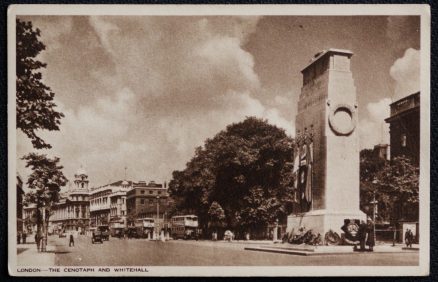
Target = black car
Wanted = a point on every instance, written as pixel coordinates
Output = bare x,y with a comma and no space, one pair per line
97,237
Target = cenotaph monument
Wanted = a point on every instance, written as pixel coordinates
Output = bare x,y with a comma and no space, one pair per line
328,164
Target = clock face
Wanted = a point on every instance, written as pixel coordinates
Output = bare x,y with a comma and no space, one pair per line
342,119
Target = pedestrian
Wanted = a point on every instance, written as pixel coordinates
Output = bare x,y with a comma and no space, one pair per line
371,241
409,237
24,237
71,241
37,241
362,234
18,237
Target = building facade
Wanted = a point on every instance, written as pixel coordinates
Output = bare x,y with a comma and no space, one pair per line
108,204
148,200
404,126
72,212
381,151
20,194
29,219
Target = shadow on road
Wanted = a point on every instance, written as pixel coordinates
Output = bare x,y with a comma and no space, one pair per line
58,252
20,250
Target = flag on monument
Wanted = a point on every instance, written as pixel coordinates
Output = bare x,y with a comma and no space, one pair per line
296,161
308,190
295,172
303,155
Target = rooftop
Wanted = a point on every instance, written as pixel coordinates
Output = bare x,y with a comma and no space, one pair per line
325,53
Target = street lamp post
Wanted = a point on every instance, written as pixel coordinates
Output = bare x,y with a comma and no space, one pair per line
158,217
374,203
275,233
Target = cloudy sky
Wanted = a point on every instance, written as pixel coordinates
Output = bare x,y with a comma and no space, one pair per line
143,92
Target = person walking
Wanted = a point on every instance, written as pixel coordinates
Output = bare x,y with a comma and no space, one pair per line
18,237
371,241
409,237
362,234
24,237
71,241
37,241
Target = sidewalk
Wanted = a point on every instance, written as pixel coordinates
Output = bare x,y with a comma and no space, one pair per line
27,254
308,250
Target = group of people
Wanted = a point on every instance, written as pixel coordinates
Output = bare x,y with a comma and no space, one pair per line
409,238
21,237
366,236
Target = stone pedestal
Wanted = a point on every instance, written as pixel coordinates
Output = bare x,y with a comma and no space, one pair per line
328,113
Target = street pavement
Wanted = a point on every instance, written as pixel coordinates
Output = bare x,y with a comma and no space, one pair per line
28,255
141,252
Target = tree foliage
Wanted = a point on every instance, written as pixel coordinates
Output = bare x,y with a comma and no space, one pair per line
216,215
247,168
395,184
45,183
35,106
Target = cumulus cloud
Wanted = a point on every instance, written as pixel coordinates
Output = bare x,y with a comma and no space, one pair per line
373,129
406,73
167,85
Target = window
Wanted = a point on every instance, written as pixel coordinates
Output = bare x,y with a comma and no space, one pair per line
142,201
403,140
142,191
151,192
159,192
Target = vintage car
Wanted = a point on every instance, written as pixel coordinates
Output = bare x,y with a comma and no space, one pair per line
132,233
96,237
104,229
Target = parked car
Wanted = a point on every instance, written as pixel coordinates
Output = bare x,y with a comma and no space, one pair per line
104,229
132,233
96,237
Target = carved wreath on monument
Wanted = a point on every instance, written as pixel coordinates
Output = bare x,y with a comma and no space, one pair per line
340,110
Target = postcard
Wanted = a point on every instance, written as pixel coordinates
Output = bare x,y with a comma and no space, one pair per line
218,140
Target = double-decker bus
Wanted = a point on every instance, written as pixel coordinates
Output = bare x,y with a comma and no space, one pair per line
184,227
144,227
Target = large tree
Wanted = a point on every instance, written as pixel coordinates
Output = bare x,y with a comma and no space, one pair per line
45,183
216,216
35,105
247,161
394,184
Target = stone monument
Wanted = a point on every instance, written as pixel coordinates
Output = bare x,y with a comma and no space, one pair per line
329,155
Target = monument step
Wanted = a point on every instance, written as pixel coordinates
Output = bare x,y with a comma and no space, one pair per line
323,250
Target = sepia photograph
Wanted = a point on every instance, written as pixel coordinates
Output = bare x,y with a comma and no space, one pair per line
225,140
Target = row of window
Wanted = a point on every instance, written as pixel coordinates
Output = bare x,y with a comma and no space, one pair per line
99,201
151,192
114,212
115,200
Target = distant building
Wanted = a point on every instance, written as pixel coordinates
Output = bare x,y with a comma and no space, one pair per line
72,212
29,218
108,204
20,194
381,151
148,200
404,126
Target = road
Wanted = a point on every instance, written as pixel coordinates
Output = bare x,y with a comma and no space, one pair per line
134,252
